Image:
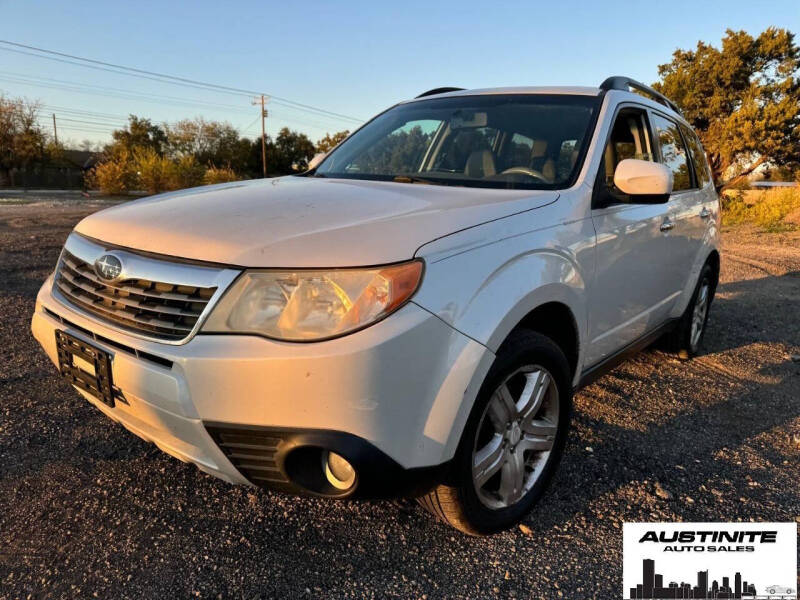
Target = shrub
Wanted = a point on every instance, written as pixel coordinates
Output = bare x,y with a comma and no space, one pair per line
187,172
742,184
767,210
114,176
156,173
220,175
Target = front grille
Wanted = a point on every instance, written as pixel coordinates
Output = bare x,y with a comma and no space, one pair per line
157,309
251,451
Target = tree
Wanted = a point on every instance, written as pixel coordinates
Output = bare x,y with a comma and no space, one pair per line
331,141
116,175
399,152
290,152
210,142
22,141
743,99
140,134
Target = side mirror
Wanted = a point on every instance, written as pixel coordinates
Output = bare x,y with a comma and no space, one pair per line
644,181
316,160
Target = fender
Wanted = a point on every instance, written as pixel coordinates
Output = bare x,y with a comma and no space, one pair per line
484,294
485,297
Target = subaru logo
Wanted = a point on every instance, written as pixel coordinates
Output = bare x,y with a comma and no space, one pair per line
108,267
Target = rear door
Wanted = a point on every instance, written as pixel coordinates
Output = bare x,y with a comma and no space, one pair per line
704,199
685,203
634,286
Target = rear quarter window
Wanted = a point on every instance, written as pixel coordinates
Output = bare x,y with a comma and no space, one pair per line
701,169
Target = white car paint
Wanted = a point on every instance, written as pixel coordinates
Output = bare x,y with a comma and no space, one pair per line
407,383
302,222
642,177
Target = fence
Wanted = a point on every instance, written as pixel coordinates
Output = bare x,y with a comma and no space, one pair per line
38,177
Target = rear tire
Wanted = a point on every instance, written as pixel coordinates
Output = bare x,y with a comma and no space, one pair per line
687,336
500,472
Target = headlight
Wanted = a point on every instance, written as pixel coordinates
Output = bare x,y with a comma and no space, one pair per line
312,305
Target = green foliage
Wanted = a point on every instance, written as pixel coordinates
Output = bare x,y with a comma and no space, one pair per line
220,175
187,172
155,172
331,140
210,142
22,141
743,99
139,134
289,153
114,176
767,209
212,145
399,152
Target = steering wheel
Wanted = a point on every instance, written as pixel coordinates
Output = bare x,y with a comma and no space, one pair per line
525,171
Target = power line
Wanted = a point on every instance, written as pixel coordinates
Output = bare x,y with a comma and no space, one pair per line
111,92
84,113
288,106
110,125
44,121
174,79
81,129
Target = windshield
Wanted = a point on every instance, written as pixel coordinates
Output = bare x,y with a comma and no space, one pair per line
529,141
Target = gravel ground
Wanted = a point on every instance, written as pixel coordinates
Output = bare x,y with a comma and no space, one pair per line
87,509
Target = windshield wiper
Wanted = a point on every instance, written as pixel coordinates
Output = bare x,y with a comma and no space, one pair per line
414,179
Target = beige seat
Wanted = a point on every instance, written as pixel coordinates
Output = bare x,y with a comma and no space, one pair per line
541,162
480,164
549,170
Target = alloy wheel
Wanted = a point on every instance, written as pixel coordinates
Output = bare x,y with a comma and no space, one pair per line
515,436
699,314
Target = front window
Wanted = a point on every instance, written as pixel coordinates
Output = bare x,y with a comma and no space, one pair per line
528,141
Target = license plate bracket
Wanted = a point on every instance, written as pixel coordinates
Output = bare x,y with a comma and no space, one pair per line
99,384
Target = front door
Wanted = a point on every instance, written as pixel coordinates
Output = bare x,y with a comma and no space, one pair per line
634,285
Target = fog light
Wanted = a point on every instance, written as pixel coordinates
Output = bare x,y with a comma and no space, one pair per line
339,472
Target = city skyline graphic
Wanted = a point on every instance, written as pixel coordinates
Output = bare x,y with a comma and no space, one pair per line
653,586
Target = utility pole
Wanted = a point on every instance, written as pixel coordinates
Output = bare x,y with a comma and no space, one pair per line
262,101
55,130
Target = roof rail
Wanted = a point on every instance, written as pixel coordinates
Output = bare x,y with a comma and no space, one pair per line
440,90
620,82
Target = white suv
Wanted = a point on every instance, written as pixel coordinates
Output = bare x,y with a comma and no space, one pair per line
411,315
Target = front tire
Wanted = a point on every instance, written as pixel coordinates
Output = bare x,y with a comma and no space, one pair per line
513,439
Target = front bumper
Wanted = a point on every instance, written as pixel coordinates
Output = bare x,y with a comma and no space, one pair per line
403,387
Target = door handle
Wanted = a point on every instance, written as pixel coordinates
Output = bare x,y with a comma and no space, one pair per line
705,213
667,225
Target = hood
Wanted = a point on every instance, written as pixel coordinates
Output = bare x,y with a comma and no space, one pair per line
302,221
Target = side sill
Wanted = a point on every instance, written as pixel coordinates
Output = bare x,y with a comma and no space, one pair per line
597,370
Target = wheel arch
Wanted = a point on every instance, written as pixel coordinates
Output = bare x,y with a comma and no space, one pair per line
711,258
714,261
556,321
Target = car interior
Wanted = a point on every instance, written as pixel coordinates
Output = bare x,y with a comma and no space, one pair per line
530,140
515,144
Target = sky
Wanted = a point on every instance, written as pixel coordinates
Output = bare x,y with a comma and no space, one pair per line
350,58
